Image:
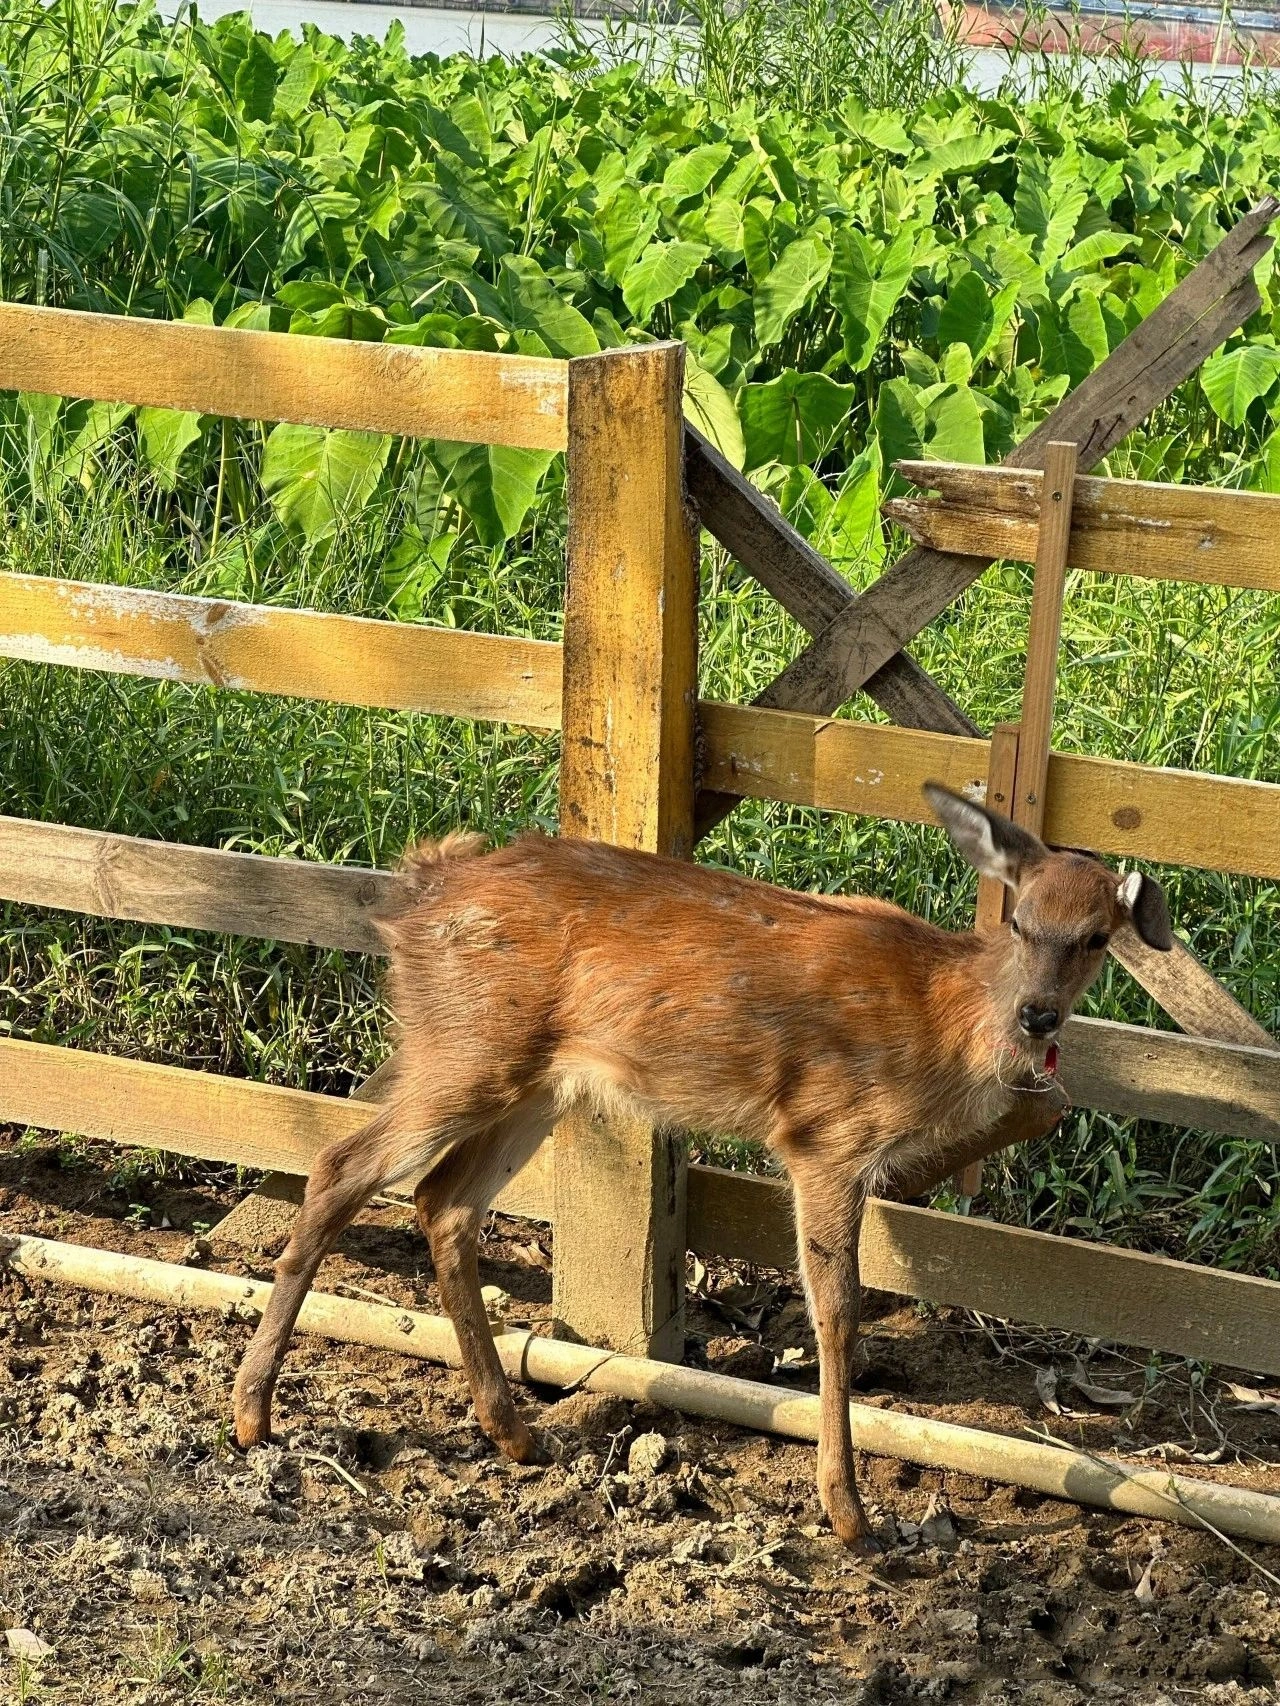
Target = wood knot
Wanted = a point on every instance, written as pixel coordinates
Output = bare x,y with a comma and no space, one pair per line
1128,817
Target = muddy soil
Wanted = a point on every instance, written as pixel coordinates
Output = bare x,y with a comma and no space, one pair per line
382,1551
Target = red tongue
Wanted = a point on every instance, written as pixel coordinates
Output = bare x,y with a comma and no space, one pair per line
1051,1059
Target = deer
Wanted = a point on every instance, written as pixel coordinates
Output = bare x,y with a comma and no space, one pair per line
871,1050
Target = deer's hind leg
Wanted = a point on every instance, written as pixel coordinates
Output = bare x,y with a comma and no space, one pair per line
400,1140
451,1202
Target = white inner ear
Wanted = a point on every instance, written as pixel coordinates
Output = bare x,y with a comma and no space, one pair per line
988,859
1129,890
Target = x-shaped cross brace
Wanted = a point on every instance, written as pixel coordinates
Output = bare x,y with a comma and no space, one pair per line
858,638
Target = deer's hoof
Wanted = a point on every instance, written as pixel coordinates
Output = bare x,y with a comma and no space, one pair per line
252,1418
251,1431
521,1444
849,1521
856,1536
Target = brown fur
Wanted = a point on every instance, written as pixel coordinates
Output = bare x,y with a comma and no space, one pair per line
864,1045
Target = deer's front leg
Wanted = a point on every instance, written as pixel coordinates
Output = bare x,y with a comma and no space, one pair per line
828,1222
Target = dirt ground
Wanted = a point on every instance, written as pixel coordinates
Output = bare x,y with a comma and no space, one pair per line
382,1551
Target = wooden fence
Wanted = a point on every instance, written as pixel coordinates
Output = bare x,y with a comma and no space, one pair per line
623,692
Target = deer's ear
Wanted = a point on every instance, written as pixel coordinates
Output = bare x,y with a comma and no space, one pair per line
992,845
1142,901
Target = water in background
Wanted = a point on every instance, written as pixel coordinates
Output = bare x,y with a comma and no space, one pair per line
447,30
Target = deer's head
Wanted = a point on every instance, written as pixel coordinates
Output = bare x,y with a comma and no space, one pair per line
1066,908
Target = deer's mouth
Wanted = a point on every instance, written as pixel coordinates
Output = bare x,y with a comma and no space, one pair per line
1038,1057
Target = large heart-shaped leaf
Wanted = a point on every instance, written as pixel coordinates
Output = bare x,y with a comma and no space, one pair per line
1088,254
74,461
710,408
460,204
662,270
972,316
900,422
722,225
1234,379
961,155
533,302
866,285
90,222
1047,205
755,241
690,173
309,219
800,273
164,434
495,484
852,532
255,85
294,91
315,478
625,228
1084,337
470,120
955,427
794,419
880,130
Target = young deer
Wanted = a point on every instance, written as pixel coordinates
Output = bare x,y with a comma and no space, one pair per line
869,1049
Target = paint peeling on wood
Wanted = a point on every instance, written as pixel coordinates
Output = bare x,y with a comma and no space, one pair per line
300,653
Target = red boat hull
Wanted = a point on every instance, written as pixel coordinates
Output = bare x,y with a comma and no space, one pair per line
1169,31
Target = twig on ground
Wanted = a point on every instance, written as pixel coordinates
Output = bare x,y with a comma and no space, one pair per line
331,1463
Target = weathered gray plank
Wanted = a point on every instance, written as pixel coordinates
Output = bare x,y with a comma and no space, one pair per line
192,888
1190,994
756,534
1120,1296
1123,527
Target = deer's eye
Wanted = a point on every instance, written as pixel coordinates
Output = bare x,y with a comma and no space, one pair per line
1013,925
1097,941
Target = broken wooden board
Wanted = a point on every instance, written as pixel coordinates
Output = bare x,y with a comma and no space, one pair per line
1118,527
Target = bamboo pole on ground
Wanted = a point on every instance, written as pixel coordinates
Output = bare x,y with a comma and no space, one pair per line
1059,1473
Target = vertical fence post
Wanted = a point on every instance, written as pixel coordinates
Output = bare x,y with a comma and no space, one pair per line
1044,635
993,896
1002,770
1019,764
626,777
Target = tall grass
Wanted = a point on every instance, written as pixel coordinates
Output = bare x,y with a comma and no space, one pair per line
1059,52
810,56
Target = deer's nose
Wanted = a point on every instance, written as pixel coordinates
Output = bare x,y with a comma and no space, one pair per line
1037,1021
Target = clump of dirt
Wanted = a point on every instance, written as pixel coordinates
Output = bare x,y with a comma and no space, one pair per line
382,1552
